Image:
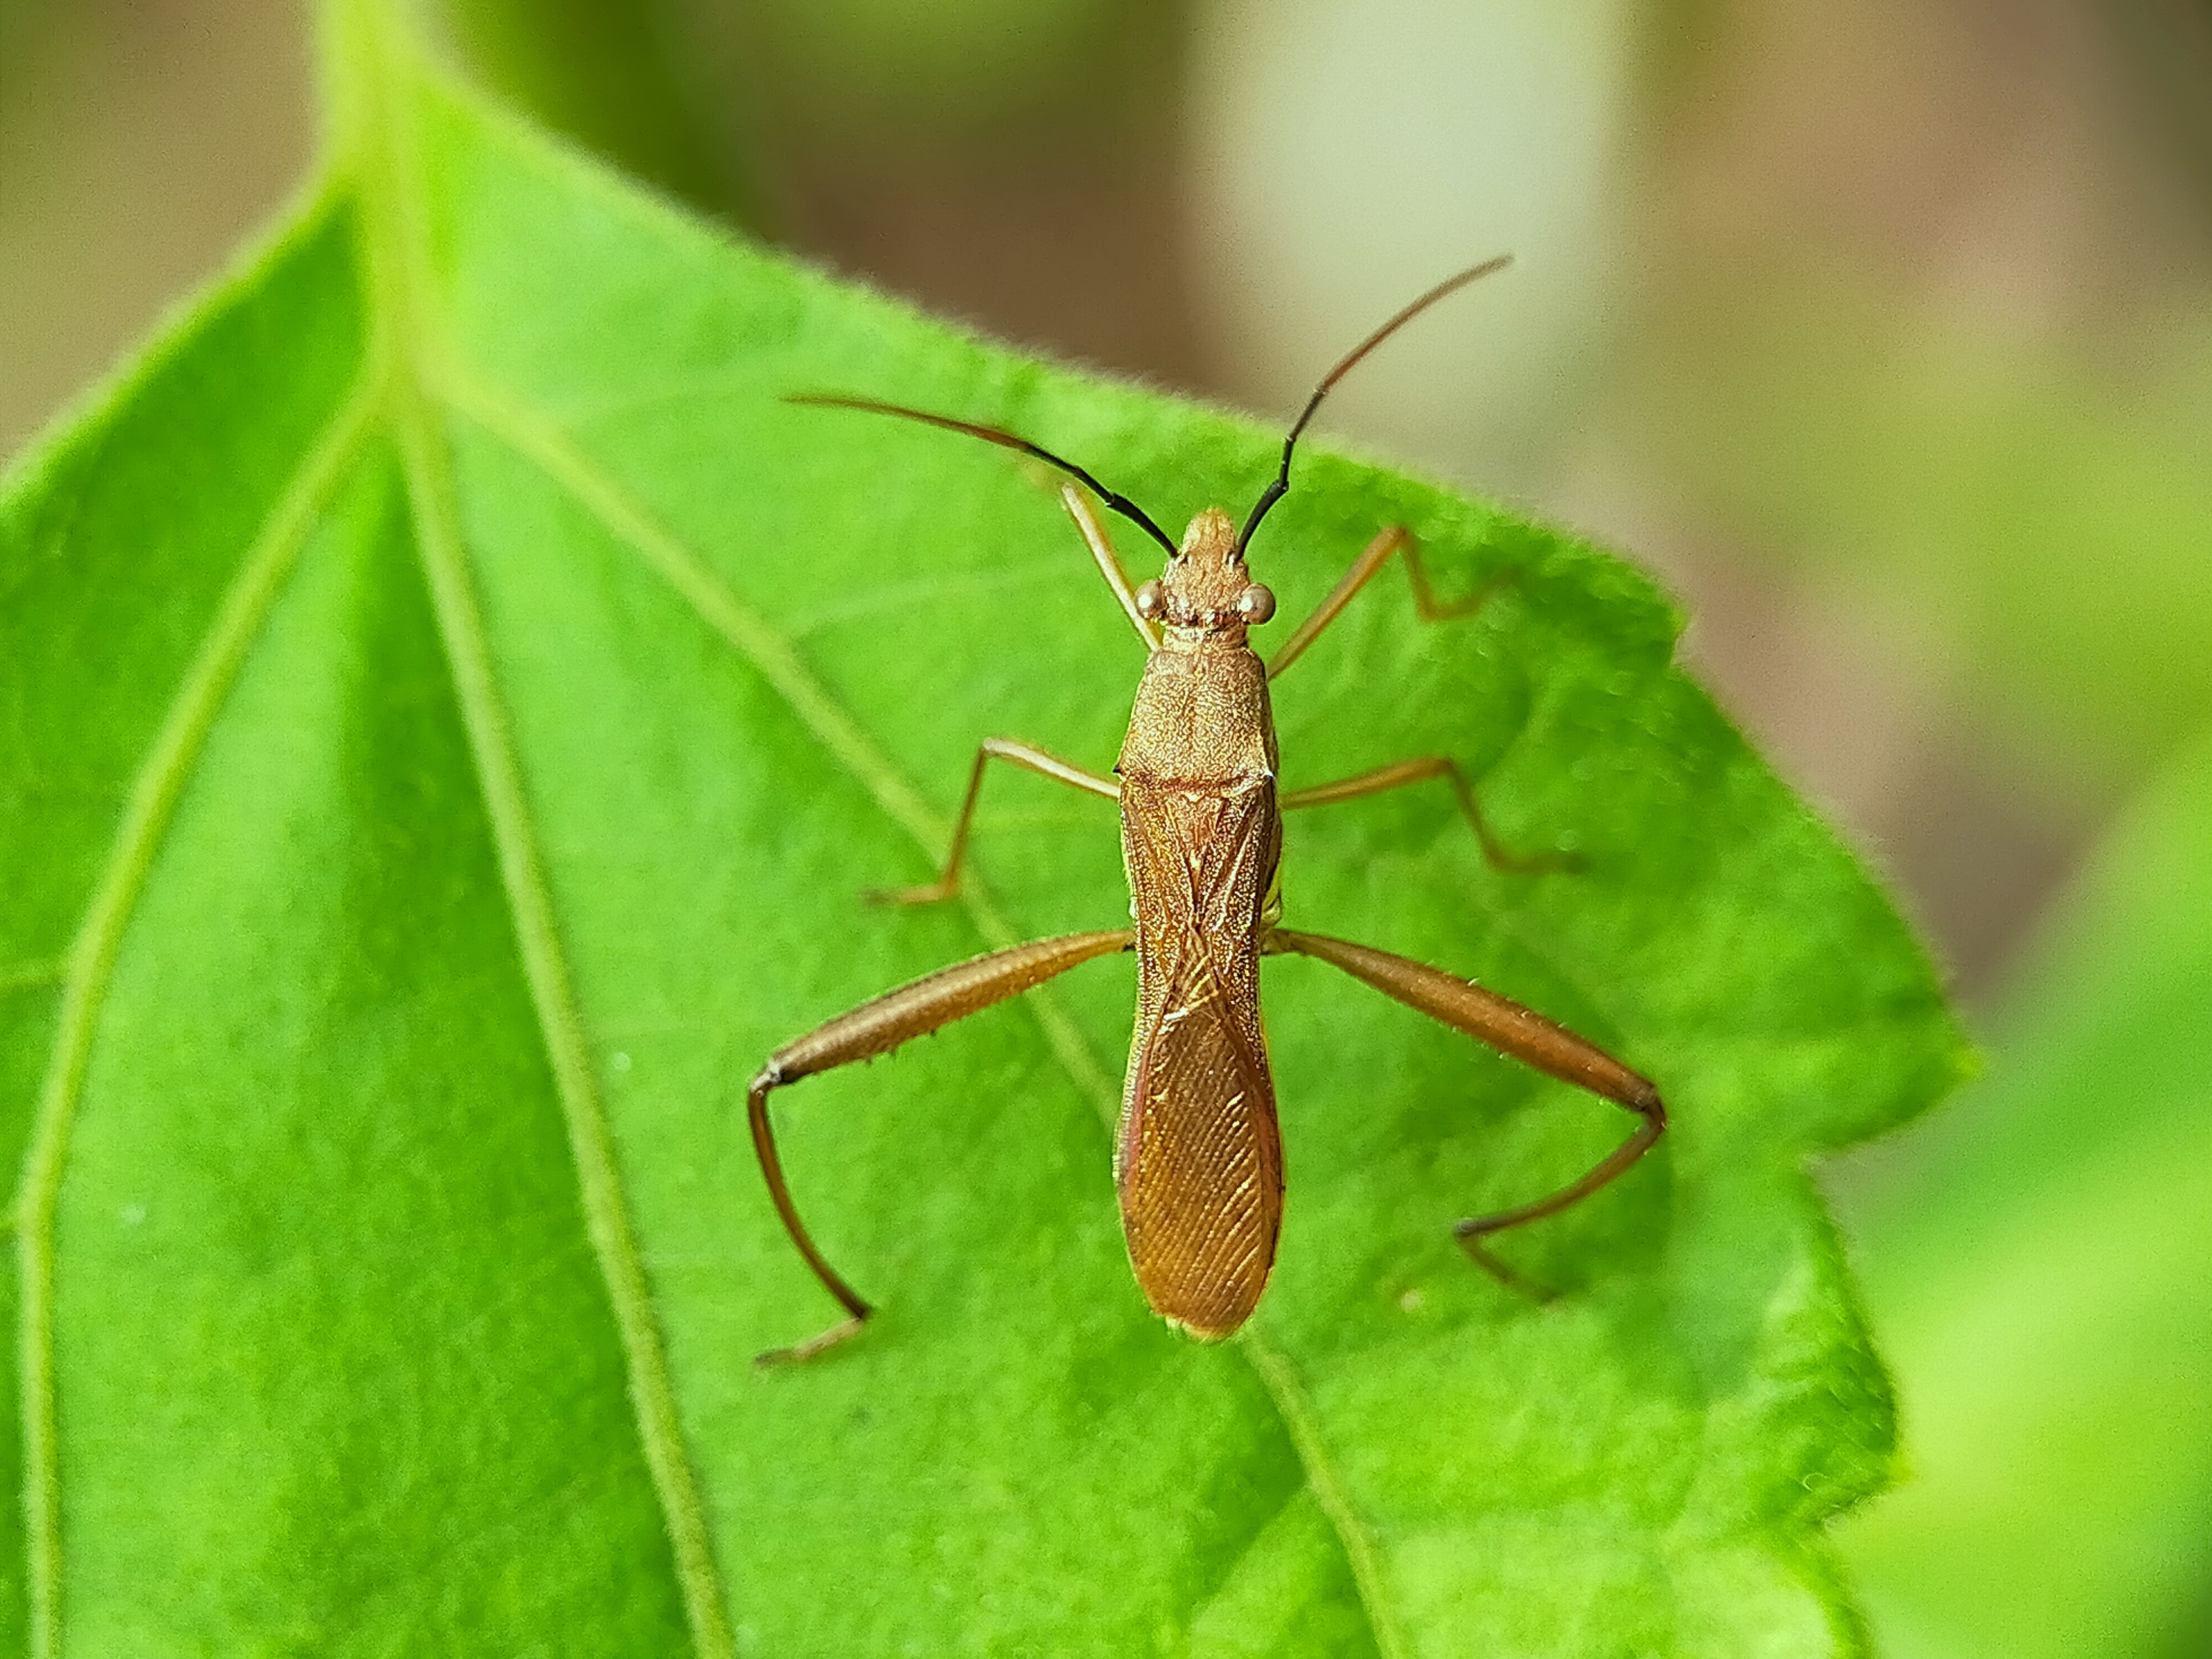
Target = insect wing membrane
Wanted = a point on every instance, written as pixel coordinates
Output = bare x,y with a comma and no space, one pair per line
1200,1163
1202,1169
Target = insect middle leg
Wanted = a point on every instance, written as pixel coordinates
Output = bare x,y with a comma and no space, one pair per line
875,1028
1429,608
1399,773
1512,1030
1029,759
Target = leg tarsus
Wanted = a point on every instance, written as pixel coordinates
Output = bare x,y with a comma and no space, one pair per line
1430,609
1495,1266
799,1353
1495,853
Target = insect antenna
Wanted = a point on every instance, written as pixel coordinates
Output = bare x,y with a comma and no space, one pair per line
1275,491
991,434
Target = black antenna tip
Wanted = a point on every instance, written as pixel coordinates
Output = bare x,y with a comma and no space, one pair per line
1280,486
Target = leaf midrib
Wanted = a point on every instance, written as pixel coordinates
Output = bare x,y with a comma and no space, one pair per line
393,259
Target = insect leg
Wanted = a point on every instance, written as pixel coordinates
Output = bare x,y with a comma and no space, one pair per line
875,1028
1109,563
1029,759
1512,1030
1401,773
1427,605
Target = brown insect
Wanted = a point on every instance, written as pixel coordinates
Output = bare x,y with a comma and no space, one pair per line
1198,1159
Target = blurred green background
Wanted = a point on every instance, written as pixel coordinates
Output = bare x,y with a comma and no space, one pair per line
1884,332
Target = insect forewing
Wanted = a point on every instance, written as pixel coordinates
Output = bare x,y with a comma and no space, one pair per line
1199,1161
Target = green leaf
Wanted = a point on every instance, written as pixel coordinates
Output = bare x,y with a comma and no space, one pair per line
452,707
2043,1275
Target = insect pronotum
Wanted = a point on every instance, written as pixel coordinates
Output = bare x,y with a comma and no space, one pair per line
1198,1159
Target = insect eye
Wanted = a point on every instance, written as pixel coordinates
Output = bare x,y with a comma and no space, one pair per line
1255,604
1149,600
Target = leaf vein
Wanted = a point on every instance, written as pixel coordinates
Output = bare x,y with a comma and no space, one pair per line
394,265
23,976
150,806
590,1138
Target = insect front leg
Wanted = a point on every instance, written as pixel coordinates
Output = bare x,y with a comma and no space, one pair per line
1371,559
1512,1030
1429,608
1015,753
1399,773
1109,562
875,1028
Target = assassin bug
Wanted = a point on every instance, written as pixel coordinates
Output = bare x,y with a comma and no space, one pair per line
1198,1160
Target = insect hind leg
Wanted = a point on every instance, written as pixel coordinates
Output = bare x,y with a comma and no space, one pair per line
875,1028
1521,1034
1471,1232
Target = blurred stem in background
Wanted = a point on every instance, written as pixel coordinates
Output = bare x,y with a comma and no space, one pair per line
627,81
1885,331
1013,162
